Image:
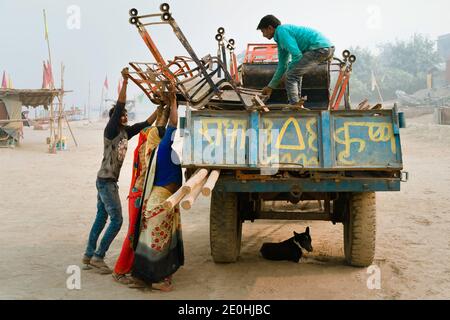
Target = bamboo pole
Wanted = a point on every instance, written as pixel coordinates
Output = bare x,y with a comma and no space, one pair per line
88,103
61,107
194,180
48,45
101,104
70,129
210,182
52,145
190,198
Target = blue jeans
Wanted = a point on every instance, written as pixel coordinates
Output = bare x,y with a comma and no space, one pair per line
108,204
294,76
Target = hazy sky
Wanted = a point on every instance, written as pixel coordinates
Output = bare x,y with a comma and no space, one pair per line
102,41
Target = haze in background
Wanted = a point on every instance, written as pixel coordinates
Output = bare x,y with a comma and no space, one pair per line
95,39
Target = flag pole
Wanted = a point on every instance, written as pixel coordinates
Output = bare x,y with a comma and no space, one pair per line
101,103
61,108
89,102
52,145
48,44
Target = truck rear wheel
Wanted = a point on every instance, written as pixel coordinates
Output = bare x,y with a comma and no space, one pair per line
225,227
360,229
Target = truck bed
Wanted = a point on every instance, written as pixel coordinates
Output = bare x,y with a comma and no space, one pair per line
293,140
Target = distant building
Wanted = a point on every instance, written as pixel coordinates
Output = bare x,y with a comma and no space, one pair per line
444,50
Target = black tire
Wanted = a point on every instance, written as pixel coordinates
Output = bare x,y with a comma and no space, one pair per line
360,229
225,227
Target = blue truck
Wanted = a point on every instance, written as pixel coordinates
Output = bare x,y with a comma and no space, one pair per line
338,157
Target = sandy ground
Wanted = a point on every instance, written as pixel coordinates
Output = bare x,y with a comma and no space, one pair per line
48,204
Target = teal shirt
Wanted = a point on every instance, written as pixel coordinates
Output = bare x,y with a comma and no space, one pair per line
294,41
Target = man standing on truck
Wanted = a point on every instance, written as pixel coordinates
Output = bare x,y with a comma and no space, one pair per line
116,136
306,47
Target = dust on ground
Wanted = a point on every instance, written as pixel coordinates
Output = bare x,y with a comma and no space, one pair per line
48,205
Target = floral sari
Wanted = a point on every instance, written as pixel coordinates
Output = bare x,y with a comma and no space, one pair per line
159,245
148,141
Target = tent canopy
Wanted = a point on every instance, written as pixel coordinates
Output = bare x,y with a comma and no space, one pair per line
11,102
31,97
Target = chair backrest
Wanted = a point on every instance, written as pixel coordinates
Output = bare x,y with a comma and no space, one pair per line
261,53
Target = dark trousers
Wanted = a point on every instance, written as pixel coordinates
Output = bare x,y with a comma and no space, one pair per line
309,61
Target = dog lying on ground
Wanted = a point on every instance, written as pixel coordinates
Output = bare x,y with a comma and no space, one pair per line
290,249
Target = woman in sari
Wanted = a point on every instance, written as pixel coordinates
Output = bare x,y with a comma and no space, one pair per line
159,246
149,139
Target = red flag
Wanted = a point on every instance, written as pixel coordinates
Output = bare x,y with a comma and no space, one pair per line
4,81
119,87
44,76
50,75
105,84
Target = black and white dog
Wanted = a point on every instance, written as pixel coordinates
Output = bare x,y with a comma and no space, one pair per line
290,249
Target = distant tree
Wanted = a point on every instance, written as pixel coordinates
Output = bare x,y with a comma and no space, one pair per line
361,78
366,61
415,56
400,65
394,79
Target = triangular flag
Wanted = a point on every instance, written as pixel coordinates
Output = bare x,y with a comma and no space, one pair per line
44,76
4,81
105,84
50,75
119,87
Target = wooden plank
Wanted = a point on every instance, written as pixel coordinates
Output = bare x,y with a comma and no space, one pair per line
364,105
378,106
257,100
